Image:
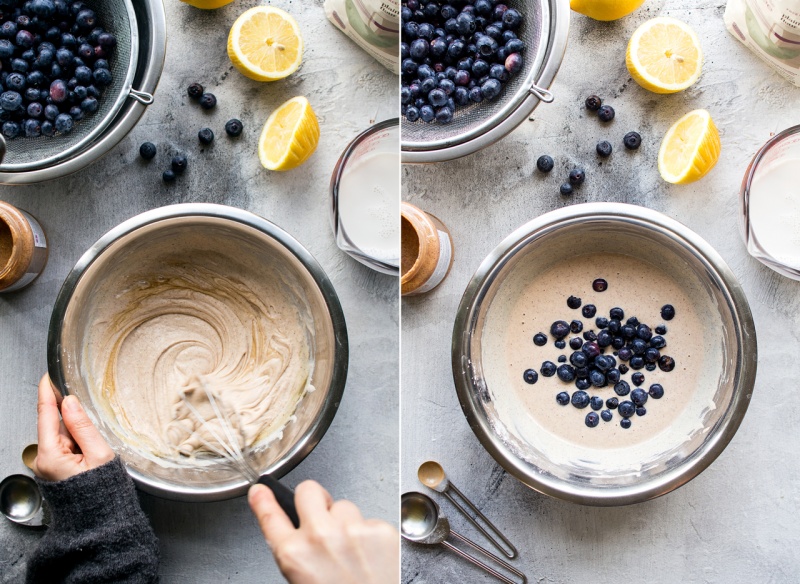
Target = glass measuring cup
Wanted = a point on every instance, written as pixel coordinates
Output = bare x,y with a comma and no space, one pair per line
770,204
365,198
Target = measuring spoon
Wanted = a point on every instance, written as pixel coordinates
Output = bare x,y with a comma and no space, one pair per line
432,475
422,522
21,501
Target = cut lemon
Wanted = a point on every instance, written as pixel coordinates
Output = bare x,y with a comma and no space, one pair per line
664,55
207,4
265,44
605,9
690,148
290,135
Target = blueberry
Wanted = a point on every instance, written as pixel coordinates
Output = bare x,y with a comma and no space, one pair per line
622,388
580,399
566,373
625,354
644,332
668,312
15,82
641,411
25,39
83,75
48,129
589,311
19,65
147,150
480,68
626,409
6,48
565,189
616,314
58,91
632,140
491,88
656,391
573,301
637,346
606,415
437,97
179,163
596,402
559,329
658,342
207,101
603,363
605,113
577,176
650,366
8,30
625,423
447,86
64,123
652,355
169,176
85,51
444,115
636,362
412,113
575,326
562,358
637,378
593,103
513,44
513,63
579,359
426,113
80,93
462,78
613,375
590,336
548,369
591,349
419,49
639,396
107,40
455,49
666,363
51,112
32,94
11,129
35,109
601,322
205,135
102,77
623,369
575,343
604,148
86,19
560,344
10,101
604,338
540,339
661,329
530,376
486,45
592,419
617,343
597,378
498,71
76,113
562,398
628,331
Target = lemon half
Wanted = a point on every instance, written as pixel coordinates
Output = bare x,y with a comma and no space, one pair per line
664,55
689,149
605,9
207,4
290,135
265,44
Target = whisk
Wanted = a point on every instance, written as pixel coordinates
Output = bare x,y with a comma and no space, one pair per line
228,448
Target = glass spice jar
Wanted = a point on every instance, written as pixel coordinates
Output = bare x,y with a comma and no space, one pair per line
23,248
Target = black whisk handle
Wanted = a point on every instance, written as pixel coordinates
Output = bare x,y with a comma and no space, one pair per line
284,495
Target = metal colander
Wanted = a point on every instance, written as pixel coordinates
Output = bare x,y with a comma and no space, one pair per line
118,18
544,32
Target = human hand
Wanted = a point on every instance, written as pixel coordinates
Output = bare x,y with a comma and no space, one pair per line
68,446
334,543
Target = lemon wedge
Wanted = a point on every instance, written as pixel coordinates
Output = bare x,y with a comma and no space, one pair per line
207,4
605,9
664,55
265,44
690,148
290,135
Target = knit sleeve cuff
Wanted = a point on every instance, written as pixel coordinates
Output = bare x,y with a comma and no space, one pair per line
91,498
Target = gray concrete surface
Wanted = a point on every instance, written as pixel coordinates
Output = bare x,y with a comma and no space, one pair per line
737,521
358,457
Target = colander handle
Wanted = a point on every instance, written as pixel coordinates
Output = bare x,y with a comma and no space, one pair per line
284,495
542,93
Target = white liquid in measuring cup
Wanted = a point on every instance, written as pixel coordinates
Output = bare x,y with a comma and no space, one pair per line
775,210
369,203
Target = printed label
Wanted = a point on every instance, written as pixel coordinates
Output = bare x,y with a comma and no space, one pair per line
39,239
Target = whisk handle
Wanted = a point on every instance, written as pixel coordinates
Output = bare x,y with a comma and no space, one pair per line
284,495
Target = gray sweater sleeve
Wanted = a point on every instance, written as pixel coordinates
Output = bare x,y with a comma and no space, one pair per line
98,532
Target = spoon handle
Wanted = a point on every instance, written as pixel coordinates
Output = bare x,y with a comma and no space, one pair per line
511,552
485,567
284,495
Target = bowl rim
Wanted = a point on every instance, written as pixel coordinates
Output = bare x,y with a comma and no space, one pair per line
309,439
745,369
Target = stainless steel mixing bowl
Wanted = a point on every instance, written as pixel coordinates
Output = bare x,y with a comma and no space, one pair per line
156,231
634,231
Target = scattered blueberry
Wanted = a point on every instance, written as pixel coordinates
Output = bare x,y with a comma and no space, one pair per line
577,176
639,396
597,378
234,127
604,148
590,336
548,369
606,415
650,366
626,409
565,189
622,388
668,312
575,326
596,402
632,140
612,403
658,342
589,311
605,113
592,419
540,339
206,136
637,378
593,103
641,411
559,329
562,358
666,363
545,163
583,383
574,302
599,285
208,101
580,399
613,375
562,398
147,150
623,369
625,423
530,376
656,391
560,344
575,343
169,176
566,373
636,362
179,163
661,329
601,322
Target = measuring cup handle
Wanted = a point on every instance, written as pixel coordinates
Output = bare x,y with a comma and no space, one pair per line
485,567
511,552
284,495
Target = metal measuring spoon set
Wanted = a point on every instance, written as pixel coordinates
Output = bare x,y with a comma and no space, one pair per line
423,522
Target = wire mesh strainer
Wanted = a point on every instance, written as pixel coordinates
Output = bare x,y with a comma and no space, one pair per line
544,32
117,17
